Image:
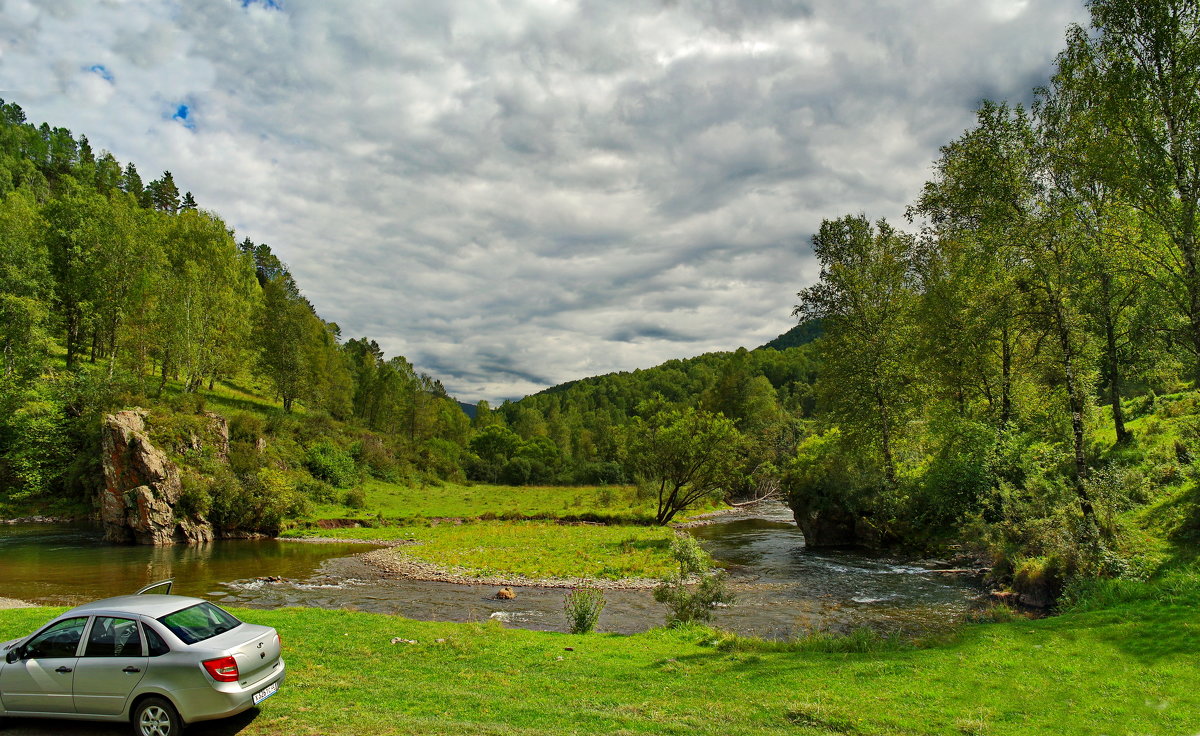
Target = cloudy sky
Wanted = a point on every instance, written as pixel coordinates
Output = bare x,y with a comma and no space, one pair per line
515,194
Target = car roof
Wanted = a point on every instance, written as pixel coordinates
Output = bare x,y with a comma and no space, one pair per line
146,605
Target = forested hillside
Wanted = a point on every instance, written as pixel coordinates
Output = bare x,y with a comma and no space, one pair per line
763,393
118,292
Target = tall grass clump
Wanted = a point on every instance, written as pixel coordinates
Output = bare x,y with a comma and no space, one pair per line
583,607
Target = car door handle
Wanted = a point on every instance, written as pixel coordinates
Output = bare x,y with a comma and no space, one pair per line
63,670
131,670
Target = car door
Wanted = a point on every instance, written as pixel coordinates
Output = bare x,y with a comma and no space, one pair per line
42,680
113,663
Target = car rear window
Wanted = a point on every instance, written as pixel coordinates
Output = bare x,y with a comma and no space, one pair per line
199,622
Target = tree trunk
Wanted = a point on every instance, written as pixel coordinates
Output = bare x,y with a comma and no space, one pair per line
163,383
1075,402
72,335
1114,375
1005,379
889,464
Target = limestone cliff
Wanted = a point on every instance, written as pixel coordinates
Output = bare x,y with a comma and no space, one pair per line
141,487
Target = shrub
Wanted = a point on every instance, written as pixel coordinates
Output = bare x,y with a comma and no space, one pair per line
246,427
330,463
316,490
34,448
355,498
380,461
314,426
516,472
194,499
257,503
244,458
583,607
187,403
282,424
690,603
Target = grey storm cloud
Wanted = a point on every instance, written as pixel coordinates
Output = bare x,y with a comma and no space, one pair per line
515,194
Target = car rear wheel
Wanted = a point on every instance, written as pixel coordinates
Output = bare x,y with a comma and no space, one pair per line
156,717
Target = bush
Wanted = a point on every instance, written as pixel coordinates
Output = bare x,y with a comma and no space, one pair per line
187,403
583,607
35,447
380,461
244,458
315,426
258,503
355,498
516,472
194,500
690,604
316,490
246,427
328,462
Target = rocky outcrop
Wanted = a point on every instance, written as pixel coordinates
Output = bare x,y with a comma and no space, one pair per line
216,437
141,487
835,527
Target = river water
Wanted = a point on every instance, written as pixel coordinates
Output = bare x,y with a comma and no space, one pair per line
782,589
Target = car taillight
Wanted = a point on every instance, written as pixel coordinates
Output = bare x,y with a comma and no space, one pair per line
279,641
223,669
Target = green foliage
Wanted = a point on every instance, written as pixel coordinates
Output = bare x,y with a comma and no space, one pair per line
355,498
317,491
691,602
687,456
328,462
36,447
257,503
582,607
195,500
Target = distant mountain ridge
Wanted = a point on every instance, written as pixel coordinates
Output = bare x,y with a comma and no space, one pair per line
801,334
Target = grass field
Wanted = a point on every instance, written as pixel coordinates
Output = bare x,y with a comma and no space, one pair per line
1128,670
613,504
532,549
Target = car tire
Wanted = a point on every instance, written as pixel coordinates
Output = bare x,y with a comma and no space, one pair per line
156,717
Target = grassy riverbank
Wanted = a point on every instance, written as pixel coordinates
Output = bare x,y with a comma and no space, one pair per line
1125,670
409,503
530,549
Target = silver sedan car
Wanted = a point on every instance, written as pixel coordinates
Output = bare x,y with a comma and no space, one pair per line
157,661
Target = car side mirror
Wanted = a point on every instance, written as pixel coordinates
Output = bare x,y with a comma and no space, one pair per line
14,654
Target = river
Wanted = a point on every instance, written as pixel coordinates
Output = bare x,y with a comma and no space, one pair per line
782,588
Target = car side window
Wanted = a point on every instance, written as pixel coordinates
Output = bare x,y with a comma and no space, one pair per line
155,646
113,637
60,640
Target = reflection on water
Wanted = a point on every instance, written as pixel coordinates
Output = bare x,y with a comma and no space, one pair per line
66,564
783,589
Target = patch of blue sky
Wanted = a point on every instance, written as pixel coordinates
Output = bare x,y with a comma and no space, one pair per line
101,71
268,4
183,114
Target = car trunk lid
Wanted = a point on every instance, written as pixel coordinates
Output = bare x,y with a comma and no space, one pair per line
256,651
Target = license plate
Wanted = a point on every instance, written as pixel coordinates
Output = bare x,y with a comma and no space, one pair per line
266,692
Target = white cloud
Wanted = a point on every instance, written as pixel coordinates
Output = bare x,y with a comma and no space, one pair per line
520,193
